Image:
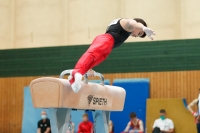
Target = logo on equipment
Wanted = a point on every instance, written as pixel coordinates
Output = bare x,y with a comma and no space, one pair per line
96,100
90,97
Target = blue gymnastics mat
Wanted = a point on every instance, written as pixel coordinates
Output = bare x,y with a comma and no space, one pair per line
137,92
31,116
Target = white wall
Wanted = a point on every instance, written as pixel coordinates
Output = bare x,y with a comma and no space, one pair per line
191,19
39,23
6,24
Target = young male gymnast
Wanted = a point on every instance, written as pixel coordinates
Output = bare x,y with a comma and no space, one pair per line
117,32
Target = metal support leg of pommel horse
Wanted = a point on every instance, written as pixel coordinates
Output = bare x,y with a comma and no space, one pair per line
101,120
60,117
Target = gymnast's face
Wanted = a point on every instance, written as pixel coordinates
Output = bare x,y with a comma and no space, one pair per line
85,118
137,33
134,119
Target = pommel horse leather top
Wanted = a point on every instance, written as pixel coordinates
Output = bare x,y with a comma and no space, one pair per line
49,92
57,95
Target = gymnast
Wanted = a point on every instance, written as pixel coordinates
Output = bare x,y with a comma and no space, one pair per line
195,114
117,32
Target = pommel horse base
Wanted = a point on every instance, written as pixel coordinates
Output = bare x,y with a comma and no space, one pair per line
57,95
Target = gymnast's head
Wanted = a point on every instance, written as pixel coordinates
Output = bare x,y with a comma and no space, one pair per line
85,117
137,32
133,116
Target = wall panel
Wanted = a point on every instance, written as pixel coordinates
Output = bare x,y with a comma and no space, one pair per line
176,84
11,103
173,55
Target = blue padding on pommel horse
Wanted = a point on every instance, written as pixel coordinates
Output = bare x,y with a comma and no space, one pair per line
31,116
137,91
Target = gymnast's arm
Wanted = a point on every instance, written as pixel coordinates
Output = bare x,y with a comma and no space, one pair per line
130,24
127,127
38,131
194,102
110,126
48,130
141,126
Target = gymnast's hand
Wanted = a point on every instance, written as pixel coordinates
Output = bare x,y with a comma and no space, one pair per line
194,114
90,73
149,32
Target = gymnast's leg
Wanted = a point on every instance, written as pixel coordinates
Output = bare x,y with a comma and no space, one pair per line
198,127
96,53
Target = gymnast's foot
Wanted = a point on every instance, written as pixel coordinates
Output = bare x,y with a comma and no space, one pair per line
76,86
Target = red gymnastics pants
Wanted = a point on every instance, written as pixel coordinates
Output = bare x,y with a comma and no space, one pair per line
98,51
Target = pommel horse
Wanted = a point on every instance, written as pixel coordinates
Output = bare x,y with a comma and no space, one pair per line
57,95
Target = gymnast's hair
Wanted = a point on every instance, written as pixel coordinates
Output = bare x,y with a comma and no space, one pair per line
132,115
139,20
85,115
